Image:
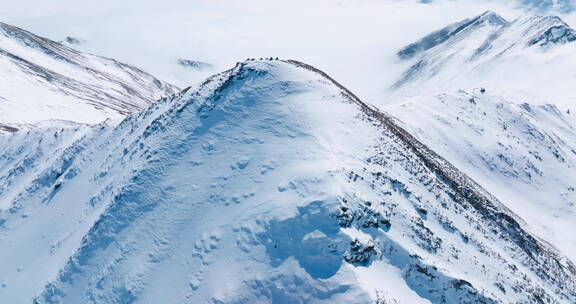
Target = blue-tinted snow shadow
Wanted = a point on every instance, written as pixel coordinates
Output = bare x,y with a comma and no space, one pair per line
312,237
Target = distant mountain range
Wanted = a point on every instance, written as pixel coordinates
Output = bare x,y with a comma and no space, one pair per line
477,46
562,6
44,80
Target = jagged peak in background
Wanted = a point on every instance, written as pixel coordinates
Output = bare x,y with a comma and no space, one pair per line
488,51
487,18
542,30
555,32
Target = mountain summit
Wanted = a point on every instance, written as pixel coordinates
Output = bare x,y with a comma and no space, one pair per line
271,183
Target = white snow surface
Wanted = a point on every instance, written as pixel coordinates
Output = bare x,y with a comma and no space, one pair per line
270,184
523,154
44,80
527,59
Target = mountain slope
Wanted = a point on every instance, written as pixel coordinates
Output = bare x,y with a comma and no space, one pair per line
523,154
561,6
271,183
492,52
41,79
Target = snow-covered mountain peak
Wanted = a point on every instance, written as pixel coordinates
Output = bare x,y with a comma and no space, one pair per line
491,17
552,30
453,31
475,51
270,183
41,79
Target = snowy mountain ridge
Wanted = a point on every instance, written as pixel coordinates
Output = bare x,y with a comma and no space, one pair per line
44,80
274,175
487,18
488,51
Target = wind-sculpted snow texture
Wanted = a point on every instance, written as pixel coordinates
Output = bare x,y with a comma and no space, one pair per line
270,184
523,154
476,46
41,80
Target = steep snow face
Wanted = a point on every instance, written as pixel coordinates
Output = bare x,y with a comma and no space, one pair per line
525,155
271,183
41,79
489,51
